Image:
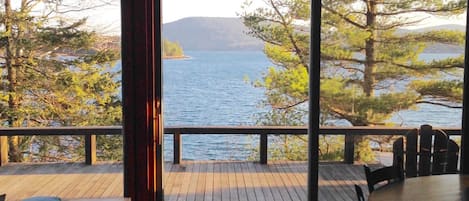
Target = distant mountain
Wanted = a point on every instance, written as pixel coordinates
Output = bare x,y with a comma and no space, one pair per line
216,33
455,27
211,33
439,47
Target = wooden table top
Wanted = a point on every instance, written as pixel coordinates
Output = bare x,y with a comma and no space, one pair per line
427,188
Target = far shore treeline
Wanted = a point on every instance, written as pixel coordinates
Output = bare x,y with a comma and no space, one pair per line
172,50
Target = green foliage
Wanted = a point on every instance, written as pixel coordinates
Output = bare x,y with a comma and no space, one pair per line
363,57
46,81
444,89
331,148
110,148
172,49
363,151
288,147
292,89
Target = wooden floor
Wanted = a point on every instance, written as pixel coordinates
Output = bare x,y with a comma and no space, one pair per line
227,181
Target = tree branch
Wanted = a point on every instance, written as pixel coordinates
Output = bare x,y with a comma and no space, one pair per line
344,17
417,68
285,24
437,103
291,105
419,10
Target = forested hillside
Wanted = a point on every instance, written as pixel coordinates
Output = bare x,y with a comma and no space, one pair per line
211,33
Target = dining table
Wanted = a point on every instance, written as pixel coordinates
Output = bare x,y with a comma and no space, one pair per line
447,187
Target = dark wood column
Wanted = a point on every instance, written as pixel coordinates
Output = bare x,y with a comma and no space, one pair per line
314,93
141,77
465,111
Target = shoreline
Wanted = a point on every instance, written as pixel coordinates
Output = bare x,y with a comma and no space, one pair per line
175,57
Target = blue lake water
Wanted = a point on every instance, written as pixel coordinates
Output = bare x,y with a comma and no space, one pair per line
213,88
210,88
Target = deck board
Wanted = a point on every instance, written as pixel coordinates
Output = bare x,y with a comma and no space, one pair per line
247,176
265,182
217,191
191,180
175,183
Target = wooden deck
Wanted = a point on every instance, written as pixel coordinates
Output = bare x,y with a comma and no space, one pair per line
194,181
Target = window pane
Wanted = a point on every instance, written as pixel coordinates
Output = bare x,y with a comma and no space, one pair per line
60,67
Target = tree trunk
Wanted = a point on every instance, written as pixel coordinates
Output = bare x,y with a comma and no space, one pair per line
15,154
370,65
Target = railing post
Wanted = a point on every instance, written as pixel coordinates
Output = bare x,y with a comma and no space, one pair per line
90,149
349,148
263,148
3,150
177,147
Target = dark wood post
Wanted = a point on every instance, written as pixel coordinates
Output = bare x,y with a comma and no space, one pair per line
349,148
464,165
314,94
3,150
90,149
142,100
263,148
177,142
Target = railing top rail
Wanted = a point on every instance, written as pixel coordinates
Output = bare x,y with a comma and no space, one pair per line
299,130
89,130
294,130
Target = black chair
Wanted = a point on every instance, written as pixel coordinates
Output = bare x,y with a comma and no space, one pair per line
390,174
452,157
359,191
398,153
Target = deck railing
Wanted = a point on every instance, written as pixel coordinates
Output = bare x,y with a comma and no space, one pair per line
90,134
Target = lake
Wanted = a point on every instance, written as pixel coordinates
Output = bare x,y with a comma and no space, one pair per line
211,88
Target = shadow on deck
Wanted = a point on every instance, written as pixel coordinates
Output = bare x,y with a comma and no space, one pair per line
200,180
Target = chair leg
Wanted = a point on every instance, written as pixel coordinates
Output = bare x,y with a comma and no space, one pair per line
358,190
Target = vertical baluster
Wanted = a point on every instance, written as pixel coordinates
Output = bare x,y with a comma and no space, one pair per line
177,147
349,148
3,150
90,149
263,148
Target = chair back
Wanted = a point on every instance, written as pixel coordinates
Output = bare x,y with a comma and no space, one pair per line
440,152
437,154
398,153
452,157
390,174
426,134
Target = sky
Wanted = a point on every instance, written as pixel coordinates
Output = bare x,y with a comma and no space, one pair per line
177,9
108,18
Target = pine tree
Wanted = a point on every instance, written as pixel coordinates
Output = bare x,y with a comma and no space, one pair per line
52,76
369,70
172,49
